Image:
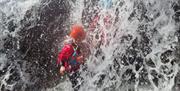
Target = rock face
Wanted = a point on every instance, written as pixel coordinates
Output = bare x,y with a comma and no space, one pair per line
32,55
39,41
177,52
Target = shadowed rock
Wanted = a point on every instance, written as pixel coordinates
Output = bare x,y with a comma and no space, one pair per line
39,40
42,29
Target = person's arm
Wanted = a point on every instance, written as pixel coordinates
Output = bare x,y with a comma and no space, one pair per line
63,58
62,70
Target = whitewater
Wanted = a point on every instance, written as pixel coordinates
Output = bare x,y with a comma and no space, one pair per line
140,49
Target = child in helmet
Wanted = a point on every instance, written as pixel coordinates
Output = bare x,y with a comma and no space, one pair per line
73,54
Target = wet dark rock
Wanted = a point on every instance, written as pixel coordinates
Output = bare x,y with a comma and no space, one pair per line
103,57
126,38
135,43
100,81
166,70
174,61
11,26
3,71
131,52
13,78
143,78
8,43
141,10
42,29
164,56
129,76
98,52
124,61
176,7
132,15
138,12
150,63
38,41
177,80
177,48
129,57
138,63
178,33
3,87
116,17
155,79
141,29
116,65
110,88
145,44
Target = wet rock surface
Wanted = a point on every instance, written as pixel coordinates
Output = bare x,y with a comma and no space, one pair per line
177,52
32,55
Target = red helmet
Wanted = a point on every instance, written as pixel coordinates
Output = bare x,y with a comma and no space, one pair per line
77,32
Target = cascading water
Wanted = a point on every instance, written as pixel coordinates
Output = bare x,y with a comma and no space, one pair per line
11,13
134,45
139,51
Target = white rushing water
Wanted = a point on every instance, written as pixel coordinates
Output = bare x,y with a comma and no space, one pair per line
132,46
152,23
11,13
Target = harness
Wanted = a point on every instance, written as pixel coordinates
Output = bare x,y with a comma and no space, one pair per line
73,61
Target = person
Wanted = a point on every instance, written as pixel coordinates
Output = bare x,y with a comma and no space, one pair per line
73,55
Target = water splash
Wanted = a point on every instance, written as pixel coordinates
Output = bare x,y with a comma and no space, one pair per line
11,13
134,43
140,52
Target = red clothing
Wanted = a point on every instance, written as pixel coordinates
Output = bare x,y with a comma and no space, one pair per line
65,56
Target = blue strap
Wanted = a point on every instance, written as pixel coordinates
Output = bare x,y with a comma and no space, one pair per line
73,60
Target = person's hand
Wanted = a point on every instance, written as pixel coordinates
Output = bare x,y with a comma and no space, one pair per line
62,70
80,59
69,67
